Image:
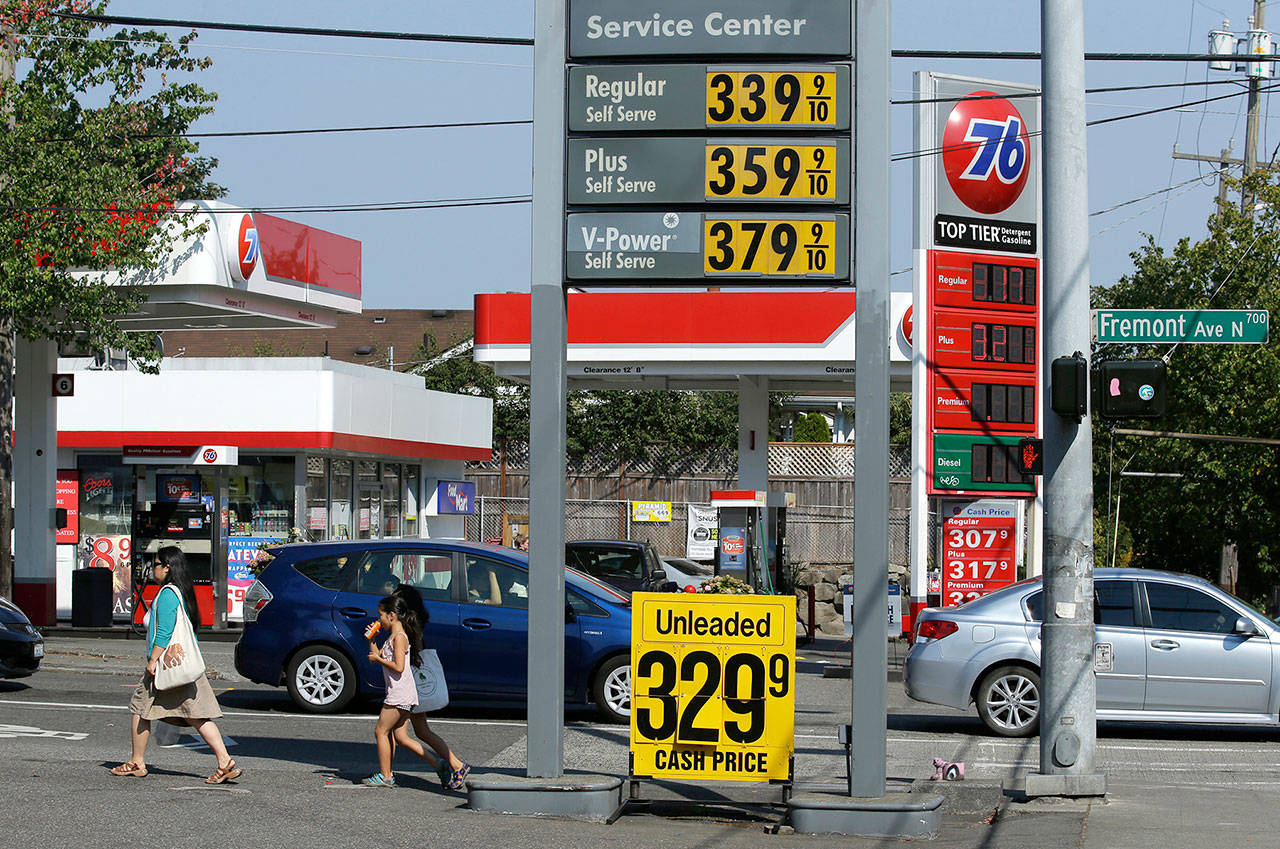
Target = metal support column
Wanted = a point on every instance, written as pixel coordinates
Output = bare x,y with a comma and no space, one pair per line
1068,721
870,249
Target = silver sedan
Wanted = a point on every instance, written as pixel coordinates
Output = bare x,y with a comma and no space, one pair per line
1168,648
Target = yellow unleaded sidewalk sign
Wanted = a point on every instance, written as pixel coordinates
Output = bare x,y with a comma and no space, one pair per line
712,686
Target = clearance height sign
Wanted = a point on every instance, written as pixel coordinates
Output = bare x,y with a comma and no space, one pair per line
712,686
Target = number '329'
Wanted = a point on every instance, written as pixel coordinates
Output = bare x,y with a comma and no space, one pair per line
744,676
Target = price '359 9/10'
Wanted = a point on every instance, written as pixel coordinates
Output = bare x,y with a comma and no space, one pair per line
741,684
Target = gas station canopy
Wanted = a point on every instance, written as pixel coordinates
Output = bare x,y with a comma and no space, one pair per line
800,341
246,271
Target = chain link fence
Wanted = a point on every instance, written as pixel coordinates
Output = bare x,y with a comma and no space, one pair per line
816,535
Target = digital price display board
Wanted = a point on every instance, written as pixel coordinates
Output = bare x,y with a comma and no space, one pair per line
968,401
662,170
973,463
712,686
979,556
983,340
981,281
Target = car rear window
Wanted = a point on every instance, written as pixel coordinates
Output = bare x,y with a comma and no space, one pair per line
328,572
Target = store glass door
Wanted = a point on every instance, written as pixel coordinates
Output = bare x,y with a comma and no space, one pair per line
369,525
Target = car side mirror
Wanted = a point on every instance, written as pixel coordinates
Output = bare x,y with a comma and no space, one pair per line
1246,628
569,614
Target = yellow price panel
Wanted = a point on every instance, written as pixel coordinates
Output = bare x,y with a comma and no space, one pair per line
713,680
787,247
771,98
781,171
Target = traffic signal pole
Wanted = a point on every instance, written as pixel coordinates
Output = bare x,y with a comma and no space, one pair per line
1068,705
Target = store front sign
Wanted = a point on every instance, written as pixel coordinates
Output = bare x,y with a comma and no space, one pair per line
192,455
453,498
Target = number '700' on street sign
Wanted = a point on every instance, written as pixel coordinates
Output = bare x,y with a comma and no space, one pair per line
1195,327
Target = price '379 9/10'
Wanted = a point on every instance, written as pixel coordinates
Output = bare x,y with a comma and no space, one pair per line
740,685
788,247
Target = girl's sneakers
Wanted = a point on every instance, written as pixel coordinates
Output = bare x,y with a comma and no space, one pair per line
460,777
443,772
378,780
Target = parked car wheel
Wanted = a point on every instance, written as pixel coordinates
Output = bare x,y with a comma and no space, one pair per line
1009,701
321,679
612,689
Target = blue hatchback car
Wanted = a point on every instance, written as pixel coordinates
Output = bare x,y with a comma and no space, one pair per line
306,614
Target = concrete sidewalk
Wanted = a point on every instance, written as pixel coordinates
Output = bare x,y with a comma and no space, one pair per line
1187,809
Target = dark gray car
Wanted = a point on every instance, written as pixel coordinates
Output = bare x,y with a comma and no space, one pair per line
1168,648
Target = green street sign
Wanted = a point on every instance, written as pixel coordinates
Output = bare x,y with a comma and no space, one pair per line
1194,327
969,463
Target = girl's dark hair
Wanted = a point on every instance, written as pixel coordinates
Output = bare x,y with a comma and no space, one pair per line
180,576
409,621
414,599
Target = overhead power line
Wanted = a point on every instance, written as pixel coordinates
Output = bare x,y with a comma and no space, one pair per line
125,21
333,32
317,130
388,206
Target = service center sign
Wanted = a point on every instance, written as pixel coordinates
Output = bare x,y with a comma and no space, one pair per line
600,28
712,686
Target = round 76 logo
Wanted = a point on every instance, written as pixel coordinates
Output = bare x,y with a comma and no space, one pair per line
986,152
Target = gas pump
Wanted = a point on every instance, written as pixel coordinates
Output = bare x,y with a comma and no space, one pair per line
753,532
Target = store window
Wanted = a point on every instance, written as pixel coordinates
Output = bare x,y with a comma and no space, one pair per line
260,494
392,498
316,518
106,496
340,499
412,478
368,500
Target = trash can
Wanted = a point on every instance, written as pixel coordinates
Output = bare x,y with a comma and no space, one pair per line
91,593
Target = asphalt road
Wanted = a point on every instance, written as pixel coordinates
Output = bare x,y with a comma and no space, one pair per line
61,729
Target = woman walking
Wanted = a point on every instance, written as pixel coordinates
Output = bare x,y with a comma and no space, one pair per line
192,704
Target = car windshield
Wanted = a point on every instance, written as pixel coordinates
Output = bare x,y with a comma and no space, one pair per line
688,567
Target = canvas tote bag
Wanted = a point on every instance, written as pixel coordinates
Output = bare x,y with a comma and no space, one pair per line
433,692
181,662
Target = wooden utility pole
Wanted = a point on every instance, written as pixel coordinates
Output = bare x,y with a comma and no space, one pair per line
1222,160
1256,22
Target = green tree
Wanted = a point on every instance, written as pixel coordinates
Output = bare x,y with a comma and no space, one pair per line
812,427
1227,492
92,164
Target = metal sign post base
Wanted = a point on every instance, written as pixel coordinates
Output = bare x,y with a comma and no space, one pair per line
897,816
596,798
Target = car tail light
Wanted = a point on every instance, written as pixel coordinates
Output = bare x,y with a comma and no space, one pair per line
935,629
255,598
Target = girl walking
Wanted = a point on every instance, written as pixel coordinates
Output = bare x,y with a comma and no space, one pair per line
451,770
193,704
401,647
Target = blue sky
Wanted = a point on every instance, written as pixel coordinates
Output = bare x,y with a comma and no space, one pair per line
434,259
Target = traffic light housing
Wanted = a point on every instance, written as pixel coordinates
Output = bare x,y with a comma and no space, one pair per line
1068,387
1129,389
